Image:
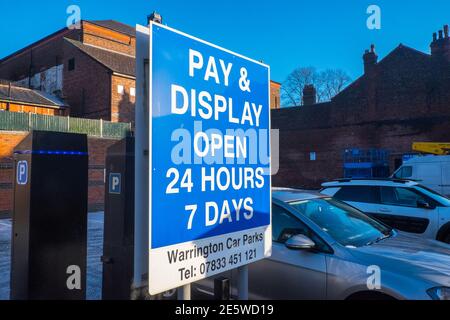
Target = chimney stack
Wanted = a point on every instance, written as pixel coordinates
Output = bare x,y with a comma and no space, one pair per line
155,17
440,46
370,59
309,95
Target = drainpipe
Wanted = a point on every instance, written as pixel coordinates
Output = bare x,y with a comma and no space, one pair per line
9,96
30,69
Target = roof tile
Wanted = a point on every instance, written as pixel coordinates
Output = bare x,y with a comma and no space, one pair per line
116,26
25,95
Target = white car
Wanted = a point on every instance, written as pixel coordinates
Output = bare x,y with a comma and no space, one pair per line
402,204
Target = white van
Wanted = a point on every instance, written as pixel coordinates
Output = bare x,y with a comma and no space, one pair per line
430,171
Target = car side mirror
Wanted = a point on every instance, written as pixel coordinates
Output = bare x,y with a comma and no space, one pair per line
424,205
300,242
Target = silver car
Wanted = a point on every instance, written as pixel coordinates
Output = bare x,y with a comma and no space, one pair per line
325,249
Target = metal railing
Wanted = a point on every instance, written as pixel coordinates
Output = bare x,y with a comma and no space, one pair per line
16,121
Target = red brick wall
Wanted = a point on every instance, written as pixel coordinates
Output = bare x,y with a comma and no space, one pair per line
122,105
49,51
87,87
97,152
44,55
97,156
108,39
8,141
329,144
33,109
406,100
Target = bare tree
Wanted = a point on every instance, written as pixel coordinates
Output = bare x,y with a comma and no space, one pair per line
292,88
328,83
331,82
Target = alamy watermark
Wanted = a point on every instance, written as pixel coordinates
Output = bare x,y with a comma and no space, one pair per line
374,20
230,147
374,279
74,280
74,19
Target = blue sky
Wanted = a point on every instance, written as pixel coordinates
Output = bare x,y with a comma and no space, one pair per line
283,33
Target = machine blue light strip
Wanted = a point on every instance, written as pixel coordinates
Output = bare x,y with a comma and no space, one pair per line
53,152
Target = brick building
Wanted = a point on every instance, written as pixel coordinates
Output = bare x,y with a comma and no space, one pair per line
401,99
18,99
92,68
275,95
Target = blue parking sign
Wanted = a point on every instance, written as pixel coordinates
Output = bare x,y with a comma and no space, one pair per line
210,183
115,183
22,172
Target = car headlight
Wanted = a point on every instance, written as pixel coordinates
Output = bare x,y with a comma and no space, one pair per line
439,293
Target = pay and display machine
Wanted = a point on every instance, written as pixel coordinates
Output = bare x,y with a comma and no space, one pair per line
50,217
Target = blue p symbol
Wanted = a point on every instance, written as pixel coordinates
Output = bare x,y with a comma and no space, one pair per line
114,183
22,172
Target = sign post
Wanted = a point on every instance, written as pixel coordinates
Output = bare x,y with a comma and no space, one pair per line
243,283
209,195
184,293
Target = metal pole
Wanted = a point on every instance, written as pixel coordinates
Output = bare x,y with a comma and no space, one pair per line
184,293
243,283
222,288
139,181
141,193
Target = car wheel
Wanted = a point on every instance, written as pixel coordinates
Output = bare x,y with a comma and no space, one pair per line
369,296
446,238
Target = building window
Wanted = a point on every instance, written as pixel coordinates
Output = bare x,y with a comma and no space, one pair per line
71,65
133,92
120,89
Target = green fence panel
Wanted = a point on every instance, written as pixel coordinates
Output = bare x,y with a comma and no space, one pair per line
13,121
115,130
86,126
48,123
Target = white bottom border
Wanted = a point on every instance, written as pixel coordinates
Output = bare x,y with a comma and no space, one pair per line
238,249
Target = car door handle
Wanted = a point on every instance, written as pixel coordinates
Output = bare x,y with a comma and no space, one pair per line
385,210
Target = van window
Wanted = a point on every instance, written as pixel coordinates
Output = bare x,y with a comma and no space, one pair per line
404,172
365,194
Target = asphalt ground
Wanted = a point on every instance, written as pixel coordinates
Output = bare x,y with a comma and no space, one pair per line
94,265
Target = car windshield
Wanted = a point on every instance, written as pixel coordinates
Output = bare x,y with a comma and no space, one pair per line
346,225
435,195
